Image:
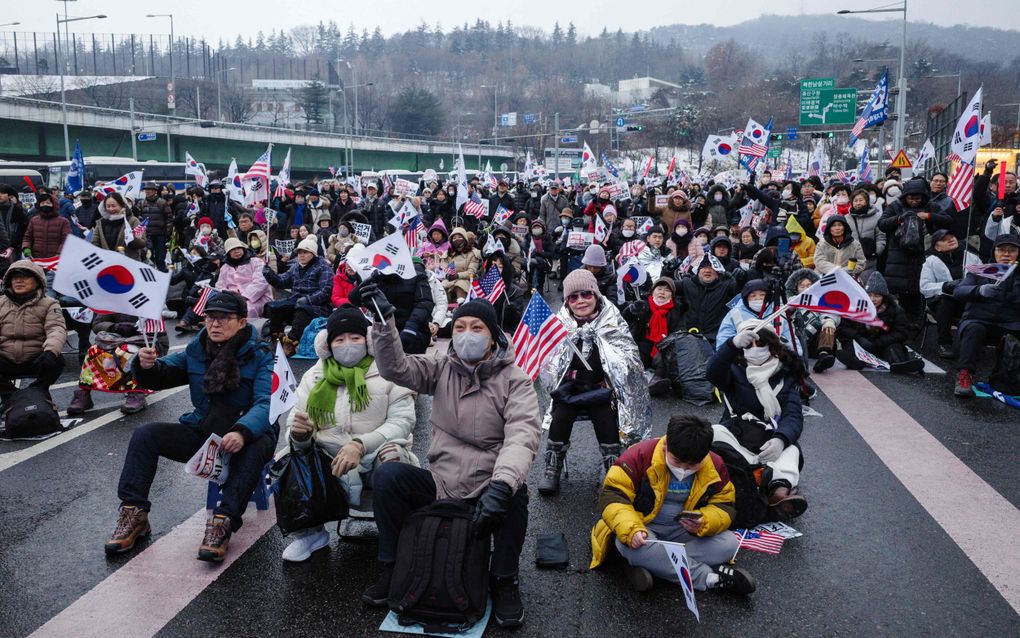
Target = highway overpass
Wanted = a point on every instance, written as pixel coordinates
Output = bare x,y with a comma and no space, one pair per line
32,130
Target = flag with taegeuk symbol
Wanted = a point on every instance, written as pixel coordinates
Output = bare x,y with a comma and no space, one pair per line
283,395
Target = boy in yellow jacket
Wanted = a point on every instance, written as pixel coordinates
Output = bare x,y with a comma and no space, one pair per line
671,489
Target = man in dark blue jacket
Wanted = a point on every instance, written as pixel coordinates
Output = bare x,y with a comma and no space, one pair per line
230,375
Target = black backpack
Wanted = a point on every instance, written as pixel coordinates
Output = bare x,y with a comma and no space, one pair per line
910,235
750,482
441,575
30,412
1006,376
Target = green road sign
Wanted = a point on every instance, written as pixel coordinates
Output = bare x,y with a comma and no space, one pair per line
775,150
822,103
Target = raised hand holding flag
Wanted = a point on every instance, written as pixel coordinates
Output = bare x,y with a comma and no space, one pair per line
284,389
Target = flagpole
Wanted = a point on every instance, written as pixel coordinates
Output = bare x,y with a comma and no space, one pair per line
742,537
769,318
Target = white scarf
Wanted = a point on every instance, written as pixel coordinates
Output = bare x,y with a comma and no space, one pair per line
759,376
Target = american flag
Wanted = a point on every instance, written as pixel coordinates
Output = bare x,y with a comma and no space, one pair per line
755,142
842,176
203,299
412,232
490,287
760,541
539,332
47,263
261,168
152,326
491,180
632,248
859,126
961,185
477,209
611,168
952,157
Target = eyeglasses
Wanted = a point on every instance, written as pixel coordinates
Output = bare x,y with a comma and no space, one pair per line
219,319
584,294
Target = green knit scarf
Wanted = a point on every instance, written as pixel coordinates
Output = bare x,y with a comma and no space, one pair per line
322,398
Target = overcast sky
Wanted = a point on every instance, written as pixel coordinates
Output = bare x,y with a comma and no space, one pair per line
215,19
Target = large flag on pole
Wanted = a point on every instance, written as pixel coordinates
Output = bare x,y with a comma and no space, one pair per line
194,168
129,186
755,142
927,152
284,177
462,183
107,280
864,169
719,147
76,171
588,162
262,167
233,183
538,334
389,255
283,395
875,111
967,136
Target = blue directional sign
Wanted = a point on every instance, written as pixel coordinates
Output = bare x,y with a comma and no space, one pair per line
568,139
620,121
791,133
146,137
529,118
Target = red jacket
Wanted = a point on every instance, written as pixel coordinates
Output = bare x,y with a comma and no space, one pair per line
342,286
45,235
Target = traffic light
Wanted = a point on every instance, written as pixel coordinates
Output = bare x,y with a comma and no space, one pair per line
635,128
776,137
823,134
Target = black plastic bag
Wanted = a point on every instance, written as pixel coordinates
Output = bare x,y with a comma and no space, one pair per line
305,491
686,356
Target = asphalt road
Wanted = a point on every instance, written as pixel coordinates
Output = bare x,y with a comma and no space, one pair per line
874,558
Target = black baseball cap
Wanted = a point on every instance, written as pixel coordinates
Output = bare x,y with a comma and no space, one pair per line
227,303
1007,239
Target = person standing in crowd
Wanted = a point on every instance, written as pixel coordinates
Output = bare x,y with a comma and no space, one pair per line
32,330
942,272
155,213
990,312
44,234
763,419
552,203
862,223
606,380
309,278
12,220
229,373
645,497
350,412
475,453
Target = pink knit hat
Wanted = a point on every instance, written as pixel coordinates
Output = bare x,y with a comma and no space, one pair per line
579,280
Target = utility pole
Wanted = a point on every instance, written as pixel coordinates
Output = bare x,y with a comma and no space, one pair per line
556,158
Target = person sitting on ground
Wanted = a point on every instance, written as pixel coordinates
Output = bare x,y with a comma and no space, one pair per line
991,312
198,271
260,248
748,246
671,489
721,248
815,331
230,376
650,322
887,342
346,277
207,237
464,263
654,254
309,278
32,329
753,304
839,249
595,262
705,294
942,271
436,242
242,273
476,453
610,369
760,381
351,413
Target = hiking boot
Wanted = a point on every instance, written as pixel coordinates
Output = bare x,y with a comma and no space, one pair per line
81,401
289,346
379,592
555,458
785,504
305,543
658,386
610,452
639,577
134,402
217,539
507,608
132,525
946,351
825,361
734,580
964,386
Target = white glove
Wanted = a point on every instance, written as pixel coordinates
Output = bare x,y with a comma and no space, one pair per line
771,450
744,339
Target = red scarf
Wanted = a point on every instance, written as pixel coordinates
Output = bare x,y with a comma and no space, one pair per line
658,327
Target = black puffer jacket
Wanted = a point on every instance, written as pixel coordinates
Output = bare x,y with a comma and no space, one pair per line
903,269
157,211
705,305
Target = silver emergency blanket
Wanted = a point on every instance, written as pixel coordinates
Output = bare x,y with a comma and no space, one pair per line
620,361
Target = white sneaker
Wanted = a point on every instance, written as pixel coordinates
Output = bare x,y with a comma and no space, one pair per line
306,542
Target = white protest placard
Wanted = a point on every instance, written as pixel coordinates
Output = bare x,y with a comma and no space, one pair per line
210,462
869,359
580,240
661,201
405,187
284,246
782,529
361,231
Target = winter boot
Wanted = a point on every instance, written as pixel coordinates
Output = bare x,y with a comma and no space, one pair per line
81,401
610,452
379,592
289,346
132,525
507,608
134,402
555,458
217,539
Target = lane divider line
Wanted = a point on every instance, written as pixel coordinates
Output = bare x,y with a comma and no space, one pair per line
952,493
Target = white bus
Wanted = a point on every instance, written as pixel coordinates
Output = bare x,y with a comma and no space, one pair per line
106,169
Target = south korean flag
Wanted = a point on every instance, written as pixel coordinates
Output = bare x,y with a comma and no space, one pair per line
284,389
389,256
107,280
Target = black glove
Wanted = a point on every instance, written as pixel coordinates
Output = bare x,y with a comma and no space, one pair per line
949,287
639,308
492,508
451,276
374,299
45,359
266,270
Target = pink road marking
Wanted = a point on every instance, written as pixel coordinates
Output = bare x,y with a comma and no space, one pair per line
154,586
951,492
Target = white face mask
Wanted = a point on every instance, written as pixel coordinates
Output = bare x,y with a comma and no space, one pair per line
893,192
717,197
872,199
681,231
627,232
678,472
349,355
842,199
537,232
757,355
756,305
787,193
117,217
565,221
470,347
205,230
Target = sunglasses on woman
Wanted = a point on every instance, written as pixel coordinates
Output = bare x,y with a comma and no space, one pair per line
584,294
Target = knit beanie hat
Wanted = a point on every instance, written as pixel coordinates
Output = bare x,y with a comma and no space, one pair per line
482,309
346,319
578,281
594,255
876,285
309,244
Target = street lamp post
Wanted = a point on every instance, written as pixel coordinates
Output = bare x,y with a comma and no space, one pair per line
495,113
63,97
958,75
171,102
349,145
899,126
219,98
